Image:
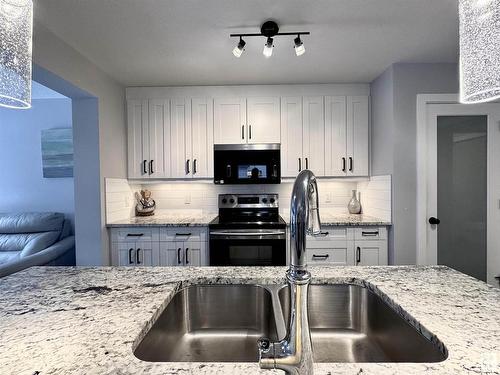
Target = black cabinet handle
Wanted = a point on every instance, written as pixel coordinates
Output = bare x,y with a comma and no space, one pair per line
326,256
194,166
151,167
358,255
179,255
242,131
307,163
250,131
343,164
300,165
144,171
324,234
135,234
138,261
187,166
434,220
350,164
187,255
369,234
183,234
130,260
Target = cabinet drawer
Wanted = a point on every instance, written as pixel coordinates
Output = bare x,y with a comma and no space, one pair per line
333,253
134,234
334,233
370,233
183,234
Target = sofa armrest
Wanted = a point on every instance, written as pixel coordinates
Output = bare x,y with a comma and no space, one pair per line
40,258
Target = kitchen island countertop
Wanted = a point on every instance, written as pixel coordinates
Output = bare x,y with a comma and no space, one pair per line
58,320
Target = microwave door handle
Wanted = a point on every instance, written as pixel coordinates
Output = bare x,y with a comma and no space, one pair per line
275,170
228,170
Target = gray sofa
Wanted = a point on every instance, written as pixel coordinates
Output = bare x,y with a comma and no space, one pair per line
35,239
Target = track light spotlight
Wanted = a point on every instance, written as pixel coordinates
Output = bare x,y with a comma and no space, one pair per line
238,50
268,48
299,46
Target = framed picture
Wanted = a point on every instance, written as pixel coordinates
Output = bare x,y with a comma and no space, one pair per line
57,152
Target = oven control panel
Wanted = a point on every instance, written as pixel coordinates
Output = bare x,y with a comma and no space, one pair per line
248,201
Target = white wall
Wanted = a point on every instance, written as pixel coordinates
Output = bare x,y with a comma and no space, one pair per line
22,186
394,141
100,142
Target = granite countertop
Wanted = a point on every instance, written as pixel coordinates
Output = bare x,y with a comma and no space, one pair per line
58,320
188,219
167,218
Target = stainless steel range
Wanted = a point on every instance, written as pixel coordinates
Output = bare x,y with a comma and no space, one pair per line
248,231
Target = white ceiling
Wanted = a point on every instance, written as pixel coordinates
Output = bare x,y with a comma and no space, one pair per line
186,42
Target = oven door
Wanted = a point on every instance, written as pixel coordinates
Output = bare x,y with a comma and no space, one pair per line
248,247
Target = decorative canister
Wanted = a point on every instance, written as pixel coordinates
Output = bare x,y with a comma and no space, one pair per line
145,204
354,205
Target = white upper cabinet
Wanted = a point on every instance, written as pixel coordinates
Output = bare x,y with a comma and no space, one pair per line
357,135
263,120
346,136
252,120
202,135
230,119
291,136
138,138
314,134
335,136
180,136
159,134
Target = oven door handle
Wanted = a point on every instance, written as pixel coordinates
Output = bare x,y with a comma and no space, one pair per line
270,233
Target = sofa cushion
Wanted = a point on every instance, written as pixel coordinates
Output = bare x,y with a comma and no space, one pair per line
9,256
27,243
31,222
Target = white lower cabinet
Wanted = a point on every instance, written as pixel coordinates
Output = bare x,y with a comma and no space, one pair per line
167,246
187,253
134,254
349,246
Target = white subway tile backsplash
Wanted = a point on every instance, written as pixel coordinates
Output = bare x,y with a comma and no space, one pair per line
200,195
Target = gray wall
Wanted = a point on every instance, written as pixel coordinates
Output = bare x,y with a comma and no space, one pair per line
394,149
22,186
100,139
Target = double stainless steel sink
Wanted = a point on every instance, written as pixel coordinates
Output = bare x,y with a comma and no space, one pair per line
222,323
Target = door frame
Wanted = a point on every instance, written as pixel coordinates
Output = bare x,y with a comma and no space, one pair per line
423,257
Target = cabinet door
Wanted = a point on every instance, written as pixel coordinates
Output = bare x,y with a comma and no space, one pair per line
138,138
339,253
125,254
371,253
171,254
230,121
202,137
263,119
144,254
357,135
159,139
335,136
314,134
180,133
193,253
291,136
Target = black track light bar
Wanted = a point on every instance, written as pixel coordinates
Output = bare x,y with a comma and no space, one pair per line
260,34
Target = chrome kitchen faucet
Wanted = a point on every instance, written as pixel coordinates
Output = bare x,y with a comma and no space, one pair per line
294,353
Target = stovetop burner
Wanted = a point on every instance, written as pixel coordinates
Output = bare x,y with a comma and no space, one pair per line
242,211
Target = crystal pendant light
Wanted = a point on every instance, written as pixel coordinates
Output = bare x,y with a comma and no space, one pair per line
479,50
16,26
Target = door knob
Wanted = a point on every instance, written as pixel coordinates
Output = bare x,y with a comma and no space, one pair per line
434,220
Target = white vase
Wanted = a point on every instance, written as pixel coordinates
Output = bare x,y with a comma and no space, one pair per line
354,205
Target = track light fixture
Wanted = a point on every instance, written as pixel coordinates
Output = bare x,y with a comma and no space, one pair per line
299,46
268,48
238,50
270,29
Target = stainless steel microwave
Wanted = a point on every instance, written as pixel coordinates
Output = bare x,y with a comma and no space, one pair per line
247,164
